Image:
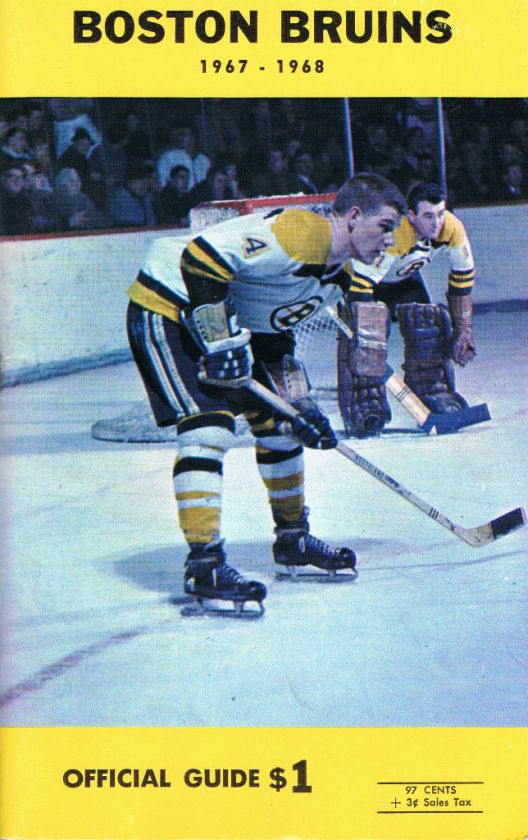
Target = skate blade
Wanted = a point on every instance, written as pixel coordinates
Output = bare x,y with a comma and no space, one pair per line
178,600
307,576
205,608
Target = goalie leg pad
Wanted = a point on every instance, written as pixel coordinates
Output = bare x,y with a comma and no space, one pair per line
362,368
426,330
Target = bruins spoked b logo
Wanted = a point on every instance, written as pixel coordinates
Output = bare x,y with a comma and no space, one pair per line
412,267
287,317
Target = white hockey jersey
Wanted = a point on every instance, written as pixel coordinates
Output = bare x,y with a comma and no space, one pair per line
409,255
274,265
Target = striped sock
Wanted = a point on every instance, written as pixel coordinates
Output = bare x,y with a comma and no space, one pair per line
282,471
203,440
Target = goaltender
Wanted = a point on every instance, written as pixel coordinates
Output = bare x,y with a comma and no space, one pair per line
226,307
434,336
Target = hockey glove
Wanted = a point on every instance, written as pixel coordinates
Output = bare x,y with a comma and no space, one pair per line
311,427
462,343
231,363
226,352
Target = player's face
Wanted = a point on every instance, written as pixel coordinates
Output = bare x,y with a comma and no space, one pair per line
371,235
428,219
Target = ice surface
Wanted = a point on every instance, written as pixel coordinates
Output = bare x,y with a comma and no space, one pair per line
432,633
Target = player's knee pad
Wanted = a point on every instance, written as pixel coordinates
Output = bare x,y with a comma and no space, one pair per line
210,431
426,330
362,367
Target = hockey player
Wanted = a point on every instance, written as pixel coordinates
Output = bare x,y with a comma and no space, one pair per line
434,337
225,308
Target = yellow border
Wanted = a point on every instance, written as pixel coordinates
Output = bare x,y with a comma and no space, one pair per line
461,784
485,55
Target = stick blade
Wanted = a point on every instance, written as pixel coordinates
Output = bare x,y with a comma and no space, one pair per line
508,522
499,527
452,421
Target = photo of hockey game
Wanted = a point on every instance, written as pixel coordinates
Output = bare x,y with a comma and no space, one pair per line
264,412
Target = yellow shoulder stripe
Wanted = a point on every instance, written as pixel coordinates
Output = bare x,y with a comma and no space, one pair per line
452,231
207,261
404,238
305,236
205,271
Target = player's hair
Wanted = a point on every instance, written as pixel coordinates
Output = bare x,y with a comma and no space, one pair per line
370,192
432,193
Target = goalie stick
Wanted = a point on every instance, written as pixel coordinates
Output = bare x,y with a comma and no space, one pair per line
433,424
477,537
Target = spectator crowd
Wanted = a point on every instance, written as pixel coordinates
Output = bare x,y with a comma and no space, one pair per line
72,165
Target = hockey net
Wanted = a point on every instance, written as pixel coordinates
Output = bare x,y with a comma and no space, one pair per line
315,339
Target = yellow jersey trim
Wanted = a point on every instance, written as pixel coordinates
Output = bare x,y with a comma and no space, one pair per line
452,231
217,271
305,236
404,238
153,302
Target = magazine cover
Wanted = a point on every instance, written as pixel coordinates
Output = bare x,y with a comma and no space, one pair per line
264,474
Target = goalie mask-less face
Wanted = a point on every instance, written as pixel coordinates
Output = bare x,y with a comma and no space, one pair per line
428,219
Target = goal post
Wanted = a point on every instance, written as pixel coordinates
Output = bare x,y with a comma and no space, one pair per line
212,212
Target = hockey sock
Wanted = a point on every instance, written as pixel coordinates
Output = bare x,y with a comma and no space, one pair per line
282,472
203,440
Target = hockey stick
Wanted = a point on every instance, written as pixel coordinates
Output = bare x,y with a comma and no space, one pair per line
476,537
433,424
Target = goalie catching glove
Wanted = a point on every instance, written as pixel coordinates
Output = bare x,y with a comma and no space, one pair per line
226,352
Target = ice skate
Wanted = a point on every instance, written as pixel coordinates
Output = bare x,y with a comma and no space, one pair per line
296,548
209,580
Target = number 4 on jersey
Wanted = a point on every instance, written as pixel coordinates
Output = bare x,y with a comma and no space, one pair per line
251,245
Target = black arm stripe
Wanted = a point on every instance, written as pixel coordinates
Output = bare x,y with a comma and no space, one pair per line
468,272
160,289
369,280
191,261
210,251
